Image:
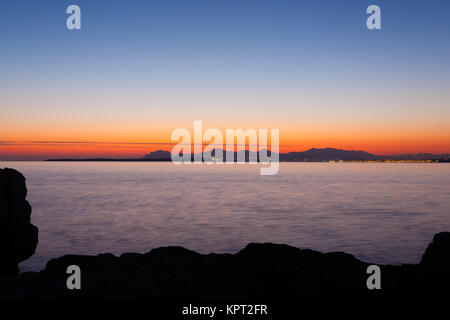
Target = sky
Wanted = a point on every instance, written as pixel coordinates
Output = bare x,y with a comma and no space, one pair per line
137,70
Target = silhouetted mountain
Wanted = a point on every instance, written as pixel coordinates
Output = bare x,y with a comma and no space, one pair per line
311,155
158,155
327,154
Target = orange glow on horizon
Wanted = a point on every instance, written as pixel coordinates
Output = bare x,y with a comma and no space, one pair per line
376,144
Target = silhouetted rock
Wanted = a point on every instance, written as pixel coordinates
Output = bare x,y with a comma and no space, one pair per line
436,262
437,254
261,272
18,237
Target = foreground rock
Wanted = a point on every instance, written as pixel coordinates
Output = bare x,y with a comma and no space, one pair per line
435,262
262,272
18,237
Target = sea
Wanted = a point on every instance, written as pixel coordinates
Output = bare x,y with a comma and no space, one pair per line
383,213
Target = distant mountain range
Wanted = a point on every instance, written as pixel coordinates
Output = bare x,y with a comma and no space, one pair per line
317,155
327,154
330,154
311,155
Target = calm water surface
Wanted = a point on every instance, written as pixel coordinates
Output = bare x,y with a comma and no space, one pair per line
381,213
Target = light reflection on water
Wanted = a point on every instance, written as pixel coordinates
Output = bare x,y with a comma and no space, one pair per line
381,213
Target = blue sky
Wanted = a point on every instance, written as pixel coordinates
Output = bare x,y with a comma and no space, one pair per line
217,44
300,62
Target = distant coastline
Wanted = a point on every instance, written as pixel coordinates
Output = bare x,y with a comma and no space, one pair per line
311,155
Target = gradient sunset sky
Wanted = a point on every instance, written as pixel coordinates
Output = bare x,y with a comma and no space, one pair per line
137,70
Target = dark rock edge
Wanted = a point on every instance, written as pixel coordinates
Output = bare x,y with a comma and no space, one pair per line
18,237
268,272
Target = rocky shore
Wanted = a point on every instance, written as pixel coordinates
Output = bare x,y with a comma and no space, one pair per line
259,272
